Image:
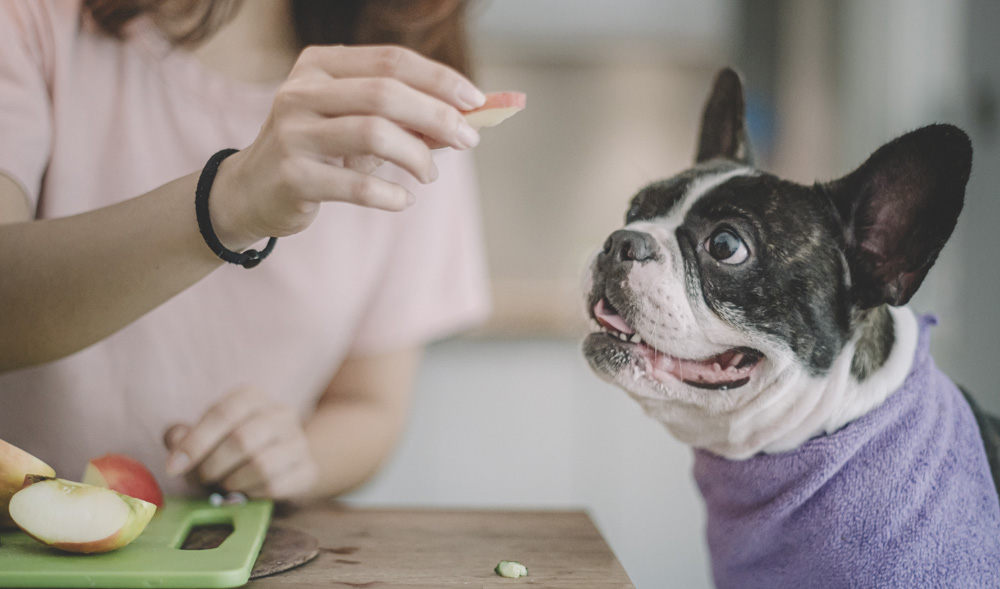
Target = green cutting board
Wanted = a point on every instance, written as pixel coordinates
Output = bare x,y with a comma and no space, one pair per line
154,559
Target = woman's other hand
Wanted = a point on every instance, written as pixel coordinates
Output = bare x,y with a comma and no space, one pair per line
244,443
341,112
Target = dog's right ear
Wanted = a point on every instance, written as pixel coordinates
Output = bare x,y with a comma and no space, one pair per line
899,208
723,125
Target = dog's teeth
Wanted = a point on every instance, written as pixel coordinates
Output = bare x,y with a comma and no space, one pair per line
595,325
717,367
623,337
736,360
636,339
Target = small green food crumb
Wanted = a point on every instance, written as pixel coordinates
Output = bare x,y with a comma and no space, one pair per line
511,569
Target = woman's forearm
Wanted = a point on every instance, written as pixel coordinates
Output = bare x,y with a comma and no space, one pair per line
67,283
349,442
358,422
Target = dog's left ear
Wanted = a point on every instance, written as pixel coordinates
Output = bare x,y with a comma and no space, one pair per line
899,208
723,124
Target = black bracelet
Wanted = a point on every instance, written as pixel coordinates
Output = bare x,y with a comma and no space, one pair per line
250,257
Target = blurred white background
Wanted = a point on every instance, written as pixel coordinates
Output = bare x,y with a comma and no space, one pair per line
511,416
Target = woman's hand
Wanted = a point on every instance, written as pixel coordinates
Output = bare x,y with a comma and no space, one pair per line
341,112
244,443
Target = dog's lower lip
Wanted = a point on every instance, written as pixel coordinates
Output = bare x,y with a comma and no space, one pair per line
717,386
740,364
728,370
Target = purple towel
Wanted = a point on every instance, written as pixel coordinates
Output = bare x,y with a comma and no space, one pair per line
901,497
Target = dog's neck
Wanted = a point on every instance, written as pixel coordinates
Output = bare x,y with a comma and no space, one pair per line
794,406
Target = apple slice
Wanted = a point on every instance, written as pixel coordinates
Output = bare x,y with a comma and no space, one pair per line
499,106
76,517
124,474
15,463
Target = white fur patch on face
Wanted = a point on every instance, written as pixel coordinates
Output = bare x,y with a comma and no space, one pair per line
674,319
702,186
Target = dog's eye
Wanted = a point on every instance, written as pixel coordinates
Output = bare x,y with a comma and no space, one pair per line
633,211
725,246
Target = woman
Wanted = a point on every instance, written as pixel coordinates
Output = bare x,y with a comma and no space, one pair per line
124,329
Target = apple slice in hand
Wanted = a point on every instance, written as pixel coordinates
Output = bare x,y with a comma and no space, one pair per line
499,107
15,464
76,517
126,475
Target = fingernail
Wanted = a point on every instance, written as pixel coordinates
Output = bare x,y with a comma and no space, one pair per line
470,96
411,199
174,435
434,173
177,463
467,136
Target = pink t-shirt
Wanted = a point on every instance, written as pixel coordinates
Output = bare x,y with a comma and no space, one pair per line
87,121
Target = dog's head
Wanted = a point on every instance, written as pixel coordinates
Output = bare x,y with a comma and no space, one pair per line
733,305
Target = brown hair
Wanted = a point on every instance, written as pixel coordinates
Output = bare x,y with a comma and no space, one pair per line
435,28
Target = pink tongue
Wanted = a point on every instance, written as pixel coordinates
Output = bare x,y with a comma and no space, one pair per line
611,319
715,370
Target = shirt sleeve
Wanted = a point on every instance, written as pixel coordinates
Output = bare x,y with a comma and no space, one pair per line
26,47
435,282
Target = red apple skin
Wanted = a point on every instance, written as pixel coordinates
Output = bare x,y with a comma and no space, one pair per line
126,475
115,541
502,100
499,106
142,513
112,542
15,463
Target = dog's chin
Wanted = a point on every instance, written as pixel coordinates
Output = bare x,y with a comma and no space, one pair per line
615,347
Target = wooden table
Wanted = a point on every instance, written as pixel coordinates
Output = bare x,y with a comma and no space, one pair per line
435,548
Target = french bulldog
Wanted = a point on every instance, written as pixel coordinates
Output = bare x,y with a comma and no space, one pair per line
764,323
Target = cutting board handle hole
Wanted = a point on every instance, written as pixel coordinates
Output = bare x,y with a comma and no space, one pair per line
206,536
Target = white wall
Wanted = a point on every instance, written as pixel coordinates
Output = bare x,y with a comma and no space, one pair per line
546,23
909,63
977,363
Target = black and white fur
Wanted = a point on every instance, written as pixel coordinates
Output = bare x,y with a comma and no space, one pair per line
796,292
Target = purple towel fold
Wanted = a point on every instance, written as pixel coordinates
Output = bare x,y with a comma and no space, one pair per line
901,497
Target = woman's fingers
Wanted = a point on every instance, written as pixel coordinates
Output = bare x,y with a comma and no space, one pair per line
244,443
296,481
353,136
283,469
213,427
323,182
171,438
174,434
415,70
388,98
366,164
254,435
341,110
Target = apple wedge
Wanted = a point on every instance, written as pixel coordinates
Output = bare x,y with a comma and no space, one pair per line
76,517
124,474
499,107
15,464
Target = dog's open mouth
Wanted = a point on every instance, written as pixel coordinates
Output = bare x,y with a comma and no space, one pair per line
728,370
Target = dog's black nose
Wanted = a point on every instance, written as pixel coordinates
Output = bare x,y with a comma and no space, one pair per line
630,246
